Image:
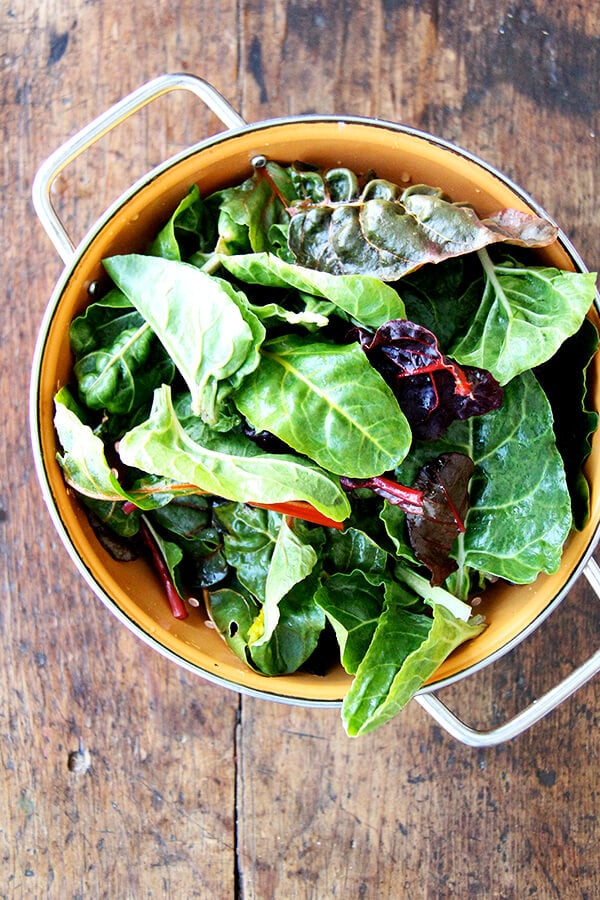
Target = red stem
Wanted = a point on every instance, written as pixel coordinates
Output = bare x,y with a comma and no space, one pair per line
300,509
175,602
460,525
462,385
410,499
264,173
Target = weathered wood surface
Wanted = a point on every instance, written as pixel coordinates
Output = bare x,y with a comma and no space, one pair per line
126,777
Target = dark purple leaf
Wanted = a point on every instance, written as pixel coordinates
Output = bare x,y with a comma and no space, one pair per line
432,389
436,507
445,486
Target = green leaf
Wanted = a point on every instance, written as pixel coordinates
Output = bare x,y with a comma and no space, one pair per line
250,535
119,362
249,213
187,516
520,513
160,446
232,612
202,322
564,378
338,184
394,520
407,648
294,639
434,595
367,300
349,432
102,322
296,634
83,461
353,606
107,378
292,561
190,220
272,314
269,558
65,397
170,552
110,513
352,549
440,297
228,418
524,316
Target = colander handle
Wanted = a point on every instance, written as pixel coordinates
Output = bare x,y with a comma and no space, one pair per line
533,713
71,149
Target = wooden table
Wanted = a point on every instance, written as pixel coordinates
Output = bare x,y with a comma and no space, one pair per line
126,777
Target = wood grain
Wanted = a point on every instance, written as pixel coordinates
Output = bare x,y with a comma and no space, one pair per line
124,776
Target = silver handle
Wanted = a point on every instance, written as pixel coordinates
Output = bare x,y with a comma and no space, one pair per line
533,713
71,149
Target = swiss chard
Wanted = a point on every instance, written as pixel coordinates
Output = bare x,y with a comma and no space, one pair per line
406,649
296,635
119,361
166,556
352,604
83,458
349,434
317,390
232,611
189,230
249,215
524,315
300,622
381,235
269,558
230,467
435,507
201,321
518,477
352,549
367,300
432,389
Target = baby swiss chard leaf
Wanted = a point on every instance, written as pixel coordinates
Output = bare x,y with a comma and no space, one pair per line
269,557
445,486
524,315
203,323
251,215
227,466
388,238
520,509
188,230
406,650
352,603
232,611
83,460
357,433
301,621
296,634
367,300
119,361
436,508
432,389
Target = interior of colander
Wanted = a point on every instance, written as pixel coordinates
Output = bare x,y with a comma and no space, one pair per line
131,589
